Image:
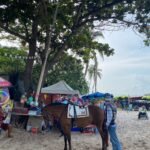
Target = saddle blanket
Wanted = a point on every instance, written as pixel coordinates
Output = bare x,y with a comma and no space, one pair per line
77,112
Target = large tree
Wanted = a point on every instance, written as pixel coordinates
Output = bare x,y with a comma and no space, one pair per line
50,28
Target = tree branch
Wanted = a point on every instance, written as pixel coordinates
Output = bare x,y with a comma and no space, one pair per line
79,13
59,52
13,32
95,19
128,22
95,11
48,27
26,31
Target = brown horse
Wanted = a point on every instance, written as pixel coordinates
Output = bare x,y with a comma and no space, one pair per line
96,117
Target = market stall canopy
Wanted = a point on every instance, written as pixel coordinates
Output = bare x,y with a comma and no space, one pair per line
59,88
94,95
4,83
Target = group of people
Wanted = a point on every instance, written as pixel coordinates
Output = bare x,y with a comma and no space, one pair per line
28,101
75,99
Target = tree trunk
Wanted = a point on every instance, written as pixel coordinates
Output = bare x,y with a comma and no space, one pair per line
31,55
29,66
86,68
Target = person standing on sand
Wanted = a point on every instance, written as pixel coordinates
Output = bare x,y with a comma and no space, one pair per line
110,116
5,125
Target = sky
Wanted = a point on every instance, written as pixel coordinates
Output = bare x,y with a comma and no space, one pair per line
127,72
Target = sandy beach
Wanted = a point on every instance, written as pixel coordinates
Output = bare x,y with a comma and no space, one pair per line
133,134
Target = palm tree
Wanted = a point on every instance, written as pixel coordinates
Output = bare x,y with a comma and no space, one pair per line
93,56
92,53
101,49
94,72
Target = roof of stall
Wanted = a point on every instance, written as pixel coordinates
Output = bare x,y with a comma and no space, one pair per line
60,87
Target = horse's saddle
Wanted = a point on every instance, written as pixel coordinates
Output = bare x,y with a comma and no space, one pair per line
75,111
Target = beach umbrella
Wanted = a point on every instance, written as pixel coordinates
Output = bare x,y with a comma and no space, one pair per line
93,96
4,83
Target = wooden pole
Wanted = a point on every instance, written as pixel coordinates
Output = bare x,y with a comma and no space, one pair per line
46,56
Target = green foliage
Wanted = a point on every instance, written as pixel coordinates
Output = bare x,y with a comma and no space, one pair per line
11,64
147,42
146,97
119,98
19,16
68,69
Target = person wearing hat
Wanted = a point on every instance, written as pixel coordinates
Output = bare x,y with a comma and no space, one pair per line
110,116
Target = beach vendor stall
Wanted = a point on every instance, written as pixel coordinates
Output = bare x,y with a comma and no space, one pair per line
29,114
55,92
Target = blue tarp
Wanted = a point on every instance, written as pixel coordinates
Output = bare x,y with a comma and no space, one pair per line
94,96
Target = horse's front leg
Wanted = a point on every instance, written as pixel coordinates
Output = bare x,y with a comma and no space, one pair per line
67,137
65,141
66,127
69,141
104,146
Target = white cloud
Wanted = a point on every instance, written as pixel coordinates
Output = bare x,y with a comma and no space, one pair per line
9,43
128,71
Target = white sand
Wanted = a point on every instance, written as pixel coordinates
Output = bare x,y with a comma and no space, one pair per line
134,134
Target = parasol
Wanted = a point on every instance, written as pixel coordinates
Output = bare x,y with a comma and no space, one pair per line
4,83
94,96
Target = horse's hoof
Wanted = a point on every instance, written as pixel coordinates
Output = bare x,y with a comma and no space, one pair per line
105,148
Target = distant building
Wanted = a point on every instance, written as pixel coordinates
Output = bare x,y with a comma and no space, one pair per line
135,98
